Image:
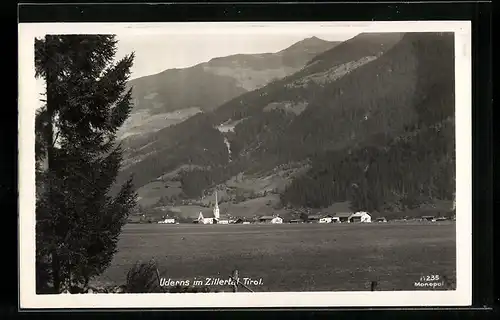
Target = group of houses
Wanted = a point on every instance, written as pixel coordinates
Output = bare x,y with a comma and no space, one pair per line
360,217
338,213
215,218
341,217
263,219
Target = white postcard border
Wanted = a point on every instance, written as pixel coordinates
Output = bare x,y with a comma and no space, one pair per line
462,296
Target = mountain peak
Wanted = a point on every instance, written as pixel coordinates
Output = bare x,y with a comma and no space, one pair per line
313,38
310,43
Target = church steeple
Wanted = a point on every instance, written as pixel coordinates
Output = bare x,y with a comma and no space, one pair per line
216,207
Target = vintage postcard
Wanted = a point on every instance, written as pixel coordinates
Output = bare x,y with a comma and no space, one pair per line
212,165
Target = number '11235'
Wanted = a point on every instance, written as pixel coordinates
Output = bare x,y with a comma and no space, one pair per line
429,278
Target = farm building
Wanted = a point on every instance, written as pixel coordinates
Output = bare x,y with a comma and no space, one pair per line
381,219
167,221
343,216
270,219
319,218
277,220
428,218
295,221
360,216
328,219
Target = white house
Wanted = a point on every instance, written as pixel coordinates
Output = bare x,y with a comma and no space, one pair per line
360,216
277,220
168,221
270,219
325,219
329,219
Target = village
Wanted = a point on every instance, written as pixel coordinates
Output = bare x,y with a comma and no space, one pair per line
339,217
343,217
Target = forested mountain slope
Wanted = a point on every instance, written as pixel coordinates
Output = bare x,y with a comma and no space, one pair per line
402,170
415,168
352,114
257,107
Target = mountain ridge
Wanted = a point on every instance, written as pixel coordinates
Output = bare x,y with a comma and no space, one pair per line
241,107
407,87
211,84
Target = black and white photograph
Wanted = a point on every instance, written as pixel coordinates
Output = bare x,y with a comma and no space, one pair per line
245,164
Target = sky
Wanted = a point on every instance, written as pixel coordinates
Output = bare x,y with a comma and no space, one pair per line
155,53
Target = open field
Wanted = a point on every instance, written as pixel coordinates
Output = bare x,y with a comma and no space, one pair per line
293,257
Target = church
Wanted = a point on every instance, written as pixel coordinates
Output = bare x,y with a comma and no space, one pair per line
215,219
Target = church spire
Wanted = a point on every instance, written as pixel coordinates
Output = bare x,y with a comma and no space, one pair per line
216,207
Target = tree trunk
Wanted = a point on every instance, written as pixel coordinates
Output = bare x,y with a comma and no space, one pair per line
51,78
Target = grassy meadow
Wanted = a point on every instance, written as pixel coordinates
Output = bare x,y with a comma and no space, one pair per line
293,257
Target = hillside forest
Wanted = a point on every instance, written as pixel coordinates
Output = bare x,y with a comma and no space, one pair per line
373,117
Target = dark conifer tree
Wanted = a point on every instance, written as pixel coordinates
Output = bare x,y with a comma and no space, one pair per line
79,213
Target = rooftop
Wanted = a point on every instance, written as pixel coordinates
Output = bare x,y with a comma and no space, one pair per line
359,214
